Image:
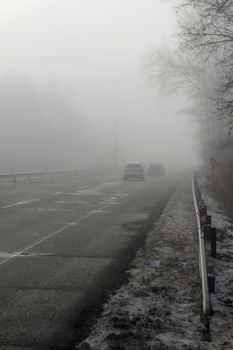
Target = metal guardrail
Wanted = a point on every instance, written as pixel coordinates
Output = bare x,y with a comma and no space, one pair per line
40,174
202,256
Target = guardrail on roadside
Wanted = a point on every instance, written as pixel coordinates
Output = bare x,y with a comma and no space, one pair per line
207,250
41,174
202,257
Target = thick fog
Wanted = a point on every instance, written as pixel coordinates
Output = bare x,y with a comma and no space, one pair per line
73,92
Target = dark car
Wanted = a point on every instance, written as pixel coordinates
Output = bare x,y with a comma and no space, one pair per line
156,169
134,170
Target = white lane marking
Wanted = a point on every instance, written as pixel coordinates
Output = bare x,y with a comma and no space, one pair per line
48,209
38,241
60,230
20,203
56,193
71,202
74,193
52,234
6,255
93,193
87,192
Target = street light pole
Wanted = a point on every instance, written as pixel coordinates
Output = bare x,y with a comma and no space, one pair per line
115,156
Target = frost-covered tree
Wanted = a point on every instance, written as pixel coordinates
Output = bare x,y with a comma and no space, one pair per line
201,63
206,31
206,35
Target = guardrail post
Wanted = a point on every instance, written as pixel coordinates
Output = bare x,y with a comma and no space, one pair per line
207,227
213,243
208,220
207,232
203,214
211,283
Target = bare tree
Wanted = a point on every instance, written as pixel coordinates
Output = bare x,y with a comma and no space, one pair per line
206,30
202,61
206,33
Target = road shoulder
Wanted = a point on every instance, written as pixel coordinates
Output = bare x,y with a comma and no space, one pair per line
159,308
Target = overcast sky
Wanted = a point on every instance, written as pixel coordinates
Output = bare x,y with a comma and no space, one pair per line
94,50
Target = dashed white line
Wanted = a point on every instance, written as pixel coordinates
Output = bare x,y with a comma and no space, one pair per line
60,230
49,235
20,203
56,193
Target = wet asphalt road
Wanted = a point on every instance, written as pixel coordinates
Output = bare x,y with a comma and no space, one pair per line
63,245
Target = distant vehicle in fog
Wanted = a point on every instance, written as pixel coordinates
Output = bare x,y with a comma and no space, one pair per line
134,170
156,169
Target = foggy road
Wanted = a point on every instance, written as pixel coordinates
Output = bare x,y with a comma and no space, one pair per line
86,86
64,245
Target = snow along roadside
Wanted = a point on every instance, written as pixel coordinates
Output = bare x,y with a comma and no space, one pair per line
159,308
221,322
